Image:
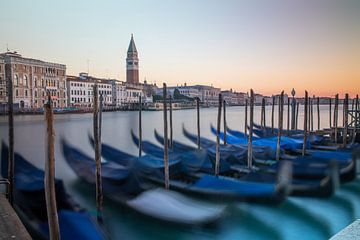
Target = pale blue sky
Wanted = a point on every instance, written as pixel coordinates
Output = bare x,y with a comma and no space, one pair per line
267,45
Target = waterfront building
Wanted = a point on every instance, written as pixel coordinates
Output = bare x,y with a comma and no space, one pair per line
3,90
32,80
80,90
234,98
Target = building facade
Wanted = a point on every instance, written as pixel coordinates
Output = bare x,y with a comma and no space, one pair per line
132,63
33,80
80,90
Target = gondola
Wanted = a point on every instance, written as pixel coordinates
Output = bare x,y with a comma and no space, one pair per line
29,202
122,184
303,166
206,185
323,187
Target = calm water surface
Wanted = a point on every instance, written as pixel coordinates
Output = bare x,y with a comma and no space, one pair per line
297,218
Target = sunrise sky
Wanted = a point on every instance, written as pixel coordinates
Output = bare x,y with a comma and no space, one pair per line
265,45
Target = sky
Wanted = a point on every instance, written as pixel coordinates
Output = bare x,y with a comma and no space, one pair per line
266,45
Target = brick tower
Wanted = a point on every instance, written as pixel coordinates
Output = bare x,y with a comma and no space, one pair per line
132,63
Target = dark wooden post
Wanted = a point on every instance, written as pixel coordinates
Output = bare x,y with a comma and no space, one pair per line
198,121
280,124
246,118
49,181
305,123
330,112
166,140
293,110
250,149
318,112
97,143
11,135
346,109
224,103
312,113
272,114
262,114
217,160
171,123
336,113
288,116
356,120
140,126
297,115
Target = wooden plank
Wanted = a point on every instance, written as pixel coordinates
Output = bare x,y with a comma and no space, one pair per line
10,225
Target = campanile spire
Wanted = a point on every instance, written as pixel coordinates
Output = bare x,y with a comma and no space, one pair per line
132,63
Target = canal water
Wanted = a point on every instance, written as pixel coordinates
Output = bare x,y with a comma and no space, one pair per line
297,218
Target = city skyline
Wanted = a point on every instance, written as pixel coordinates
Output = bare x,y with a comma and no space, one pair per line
240,45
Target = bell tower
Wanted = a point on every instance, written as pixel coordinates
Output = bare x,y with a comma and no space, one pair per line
132,63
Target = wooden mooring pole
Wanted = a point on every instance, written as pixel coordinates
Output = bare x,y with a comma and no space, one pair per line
288,117
305,123
330,112
224,103
250,149
346,109
166,140
140,126
336,113
312,113
217,160
97,144
318,112
49,181
297,115
272,114
11,138
356,119
198,121
171,122
280,125
246,117
262,117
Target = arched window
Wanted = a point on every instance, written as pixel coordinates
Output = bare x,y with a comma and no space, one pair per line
25,81
35,94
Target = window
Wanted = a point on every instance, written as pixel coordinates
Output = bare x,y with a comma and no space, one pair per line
42,82
26,93
35,81
16,80
17,93
35,93
25,81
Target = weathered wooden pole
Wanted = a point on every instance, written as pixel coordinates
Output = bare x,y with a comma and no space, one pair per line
171,123
250,149
198,121
101,102
246,118
272,114
262,118
97,143
318,112
140,126
305,123
356,120
288,116
49,180
10,135
330,113
280,124
336,113
217,160
297,115
312,113
346,109
224,103
166,140
293,110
